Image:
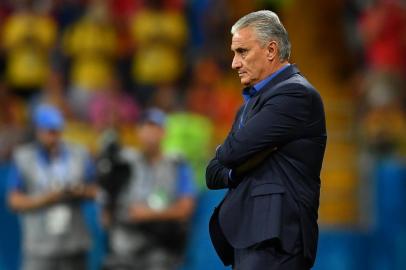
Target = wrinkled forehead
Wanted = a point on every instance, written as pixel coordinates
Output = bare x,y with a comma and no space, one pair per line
244,37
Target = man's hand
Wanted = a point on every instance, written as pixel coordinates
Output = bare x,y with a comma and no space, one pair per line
82,192
141,213
52,197
181,210
20,201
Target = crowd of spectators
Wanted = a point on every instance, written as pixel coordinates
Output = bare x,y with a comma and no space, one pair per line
377,34
378,40
103,62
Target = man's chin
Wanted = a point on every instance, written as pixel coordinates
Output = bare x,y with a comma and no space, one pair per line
245,82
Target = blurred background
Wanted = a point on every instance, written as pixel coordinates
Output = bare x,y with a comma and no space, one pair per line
103,62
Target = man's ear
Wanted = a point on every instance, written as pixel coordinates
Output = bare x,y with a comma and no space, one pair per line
272,52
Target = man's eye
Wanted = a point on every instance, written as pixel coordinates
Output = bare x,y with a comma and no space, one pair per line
242,51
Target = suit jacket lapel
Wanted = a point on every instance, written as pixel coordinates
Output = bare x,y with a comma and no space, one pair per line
283,76
255,100
251,107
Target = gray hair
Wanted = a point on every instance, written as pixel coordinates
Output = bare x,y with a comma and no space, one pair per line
267,27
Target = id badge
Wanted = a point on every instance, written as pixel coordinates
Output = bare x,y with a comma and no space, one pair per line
158,200
58,219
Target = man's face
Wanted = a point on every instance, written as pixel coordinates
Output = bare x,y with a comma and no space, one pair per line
251,58
48,138
150,136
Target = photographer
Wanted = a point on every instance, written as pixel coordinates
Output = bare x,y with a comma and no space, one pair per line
46,186
149,225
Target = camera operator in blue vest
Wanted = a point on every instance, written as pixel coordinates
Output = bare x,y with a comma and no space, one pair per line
149,225
47,184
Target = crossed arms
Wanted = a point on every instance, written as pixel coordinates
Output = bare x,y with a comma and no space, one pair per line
279,121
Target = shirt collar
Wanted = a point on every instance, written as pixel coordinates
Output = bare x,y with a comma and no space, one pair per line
248,92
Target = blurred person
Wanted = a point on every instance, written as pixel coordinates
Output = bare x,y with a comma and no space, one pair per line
160,36
383,119
91,45
111,107
28,36
270,161
13,121
149,224
46,186
383,32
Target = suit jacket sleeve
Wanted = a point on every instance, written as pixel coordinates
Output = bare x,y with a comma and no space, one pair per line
281,119
217,176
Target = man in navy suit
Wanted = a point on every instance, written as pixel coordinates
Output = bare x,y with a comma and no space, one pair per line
270,161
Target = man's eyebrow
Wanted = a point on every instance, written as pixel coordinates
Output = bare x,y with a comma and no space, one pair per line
239,49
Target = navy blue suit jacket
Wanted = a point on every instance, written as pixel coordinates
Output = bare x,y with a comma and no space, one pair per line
278,198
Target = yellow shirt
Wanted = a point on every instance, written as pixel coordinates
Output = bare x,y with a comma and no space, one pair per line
27,39
159,37
92,46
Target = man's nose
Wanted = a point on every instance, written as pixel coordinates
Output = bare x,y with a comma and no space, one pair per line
236,63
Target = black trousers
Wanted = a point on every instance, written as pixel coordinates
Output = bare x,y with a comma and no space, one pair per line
268,257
